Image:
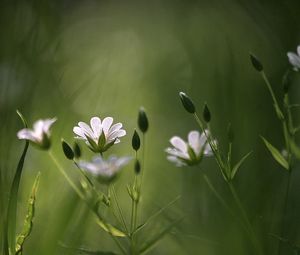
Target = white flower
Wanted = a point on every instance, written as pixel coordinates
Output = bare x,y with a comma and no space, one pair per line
104,170
191,152
99,136
40,134
295,58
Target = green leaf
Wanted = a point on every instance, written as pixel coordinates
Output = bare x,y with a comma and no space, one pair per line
86,251
10,228
150,244
27,226
238,165
109,228
276,154
101,141
159,212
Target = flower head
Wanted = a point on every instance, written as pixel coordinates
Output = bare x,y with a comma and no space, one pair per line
294,58
100,135
40,134
191,152
104,170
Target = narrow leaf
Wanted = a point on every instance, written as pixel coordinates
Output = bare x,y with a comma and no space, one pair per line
238,165
109,228
81,250
276,154
27,226
150,244
156,214
10,230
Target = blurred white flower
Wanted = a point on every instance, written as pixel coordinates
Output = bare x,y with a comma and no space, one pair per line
295,58
100,135
104,170
40,134
191,152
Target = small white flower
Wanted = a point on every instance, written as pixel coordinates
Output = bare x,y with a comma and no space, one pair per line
104,170
40,134
191,152
295,58
100,135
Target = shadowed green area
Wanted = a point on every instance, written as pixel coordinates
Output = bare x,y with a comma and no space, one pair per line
78,59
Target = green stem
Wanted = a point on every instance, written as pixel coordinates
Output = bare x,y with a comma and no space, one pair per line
119,208
62,171
79,193
246,219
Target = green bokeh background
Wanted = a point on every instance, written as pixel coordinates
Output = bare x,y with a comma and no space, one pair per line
78,59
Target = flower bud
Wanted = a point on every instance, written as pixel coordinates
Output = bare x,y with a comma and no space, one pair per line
136,142
256,63
137,167
230,133
187,103
143,120
77,150
67,150
206,114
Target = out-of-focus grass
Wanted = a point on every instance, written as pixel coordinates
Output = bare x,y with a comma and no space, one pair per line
76,59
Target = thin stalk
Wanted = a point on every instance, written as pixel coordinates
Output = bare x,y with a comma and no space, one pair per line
270,90
245,218
118,207
79,193
62,171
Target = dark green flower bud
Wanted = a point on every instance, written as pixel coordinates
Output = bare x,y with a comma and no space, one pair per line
286,82
256,63
67,150
143,120
136,142
230,133
206,114
77,150
187,103
137,167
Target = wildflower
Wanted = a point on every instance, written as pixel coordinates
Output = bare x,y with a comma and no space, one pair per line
256,63
39,135
191,152
295,58
104,170
100,135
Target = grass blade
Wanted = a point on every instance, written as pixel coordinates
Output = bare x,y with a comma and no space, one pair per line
238,165
150,244
27,226
10,230
156,214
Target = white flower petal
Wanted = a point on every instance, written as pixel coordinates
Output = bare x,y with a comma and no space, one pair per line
79,131
175,160
115,127
177,153
179,144
96,126
86,129
194,141
298,50
106,124
26,134
294,59
47,123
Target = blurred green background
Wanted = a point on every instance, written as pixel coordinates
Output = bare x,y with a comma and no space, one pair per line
77,59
